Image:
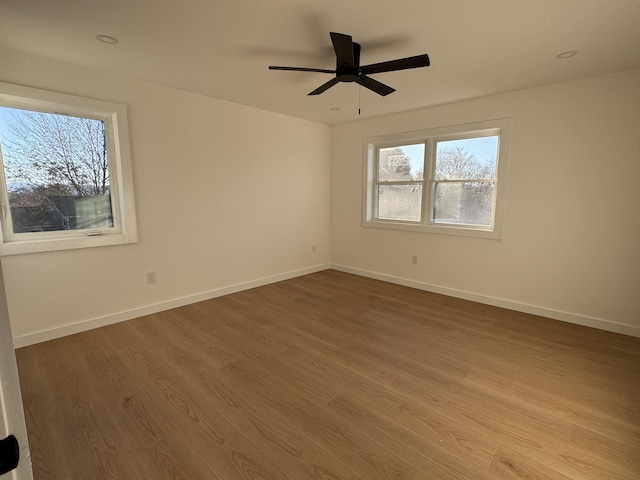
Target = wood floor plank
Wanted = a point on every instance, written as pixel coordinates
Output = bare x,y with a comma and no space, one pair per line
508,464
621,452
295,455
441,457
331,376
388,402
566,406
237,457
434,390
366,457
189,417
571,462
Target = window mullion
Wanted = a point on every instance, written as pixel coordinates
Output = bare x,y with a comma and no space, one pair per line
400,182
429,173
468,180
376,182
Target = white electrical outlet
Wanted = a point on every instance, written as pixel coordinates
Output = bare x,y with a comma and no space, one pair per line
151,277
414,259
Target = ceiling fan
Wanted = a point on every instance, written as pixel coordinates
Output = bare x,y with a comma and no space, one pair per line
348,67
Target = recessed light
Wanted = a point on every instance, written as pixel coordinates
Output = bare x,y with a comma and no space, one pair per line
567,54
334,109
107,39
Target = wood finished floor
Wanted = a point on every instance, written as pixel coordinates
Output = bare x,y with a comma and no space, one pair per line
333,376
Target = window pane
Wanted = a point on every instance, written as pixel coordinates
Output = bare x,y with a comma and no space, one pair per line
402,163
469,203
56,169
400,202
466,159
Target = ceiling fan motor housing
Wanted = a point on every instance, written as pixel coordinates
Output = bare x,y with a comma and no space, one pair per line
346,72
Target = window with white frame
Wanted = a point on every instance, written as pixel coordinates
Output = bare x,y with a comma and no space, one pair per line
65,173
443,180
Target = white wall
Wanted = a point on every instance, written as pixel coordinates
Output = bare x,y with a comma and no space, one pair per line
570,246
227,197
230,197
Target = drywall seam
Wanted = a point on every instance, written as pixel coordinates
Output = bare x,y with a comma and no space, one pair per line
498,302
70,329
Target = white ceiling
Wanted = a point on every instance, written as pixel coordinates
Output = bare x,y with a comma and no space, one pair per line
221,48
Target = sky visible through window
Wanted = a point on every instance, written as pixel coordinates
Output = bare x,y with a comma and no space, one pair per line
6,115
9,115
33,136
483,148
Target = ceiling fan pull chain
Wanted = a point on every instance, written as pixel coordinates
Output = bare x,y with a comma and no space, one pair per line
359,92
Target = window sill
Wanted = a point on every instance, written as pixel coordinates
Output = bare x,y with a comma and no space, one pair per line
457,230
55,244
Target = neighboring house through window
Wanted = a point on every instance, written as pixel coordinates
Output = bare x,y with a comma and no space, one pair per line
65,176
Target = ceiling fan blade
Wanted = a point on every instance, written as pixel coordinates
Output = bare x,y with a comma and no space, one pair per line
301,69
374,85
400,64
343,45
325,86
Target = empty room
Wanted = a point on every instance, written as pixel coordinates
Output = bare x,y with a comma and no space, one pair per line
348,240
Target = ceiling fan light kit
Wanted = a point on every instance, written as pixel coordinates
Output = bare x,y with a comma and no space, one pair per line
348,67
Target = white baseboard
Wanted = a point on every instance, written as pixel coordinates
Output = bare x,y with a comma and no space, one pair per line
499,302
70,329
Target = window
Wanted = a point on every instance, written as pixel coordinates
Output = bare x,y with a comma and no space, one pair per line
65,176
445,180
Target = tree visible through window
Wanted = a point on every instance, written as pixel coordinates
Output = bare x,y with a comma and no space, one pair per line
464,181
442,180
65,173
56,170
